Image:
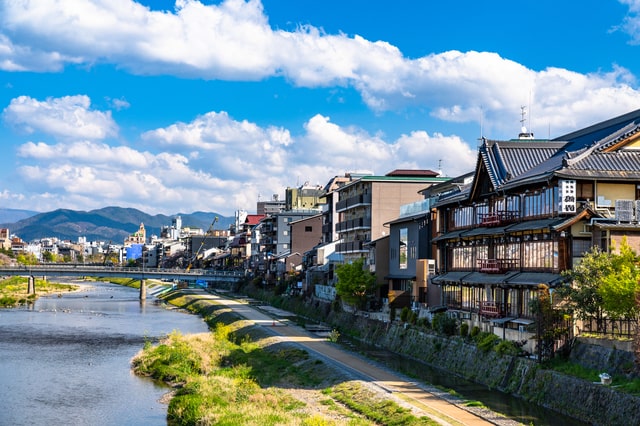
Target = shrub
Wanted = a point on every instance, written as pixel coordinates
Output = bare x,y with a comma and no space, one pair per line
474,331
507,347
404,314
464,329
444,325
424,322
487,341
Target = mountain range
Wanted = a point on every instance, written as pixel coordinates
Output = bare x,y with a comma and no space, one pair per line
105,224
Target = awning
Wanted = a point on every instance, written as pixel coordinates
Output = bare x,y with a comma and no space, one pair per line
497,230
449,277
400,277
482,278
502,320
535,278
335,257
533,225
449,235
524,321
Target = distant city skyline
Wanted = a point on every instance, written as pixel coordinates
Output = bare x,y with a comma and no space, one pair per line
206,106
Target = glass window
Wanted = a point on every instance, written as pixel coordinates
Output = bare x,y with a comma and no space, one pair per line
402,249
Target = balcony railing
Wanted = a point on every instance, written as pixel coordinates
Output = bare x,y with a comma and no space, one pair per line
350,247
498,218
491,309
497,266
363,222
363,199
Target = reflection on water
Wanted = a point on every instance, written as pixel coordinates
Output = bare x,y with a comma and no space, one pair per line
66,360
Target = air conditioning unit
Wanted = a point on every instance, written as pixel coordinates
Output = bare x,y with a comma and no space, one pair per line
431,267
637,205
522,328
624,211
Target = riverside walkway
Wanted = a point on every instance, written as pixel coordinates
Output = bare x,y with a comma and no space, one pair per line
439,409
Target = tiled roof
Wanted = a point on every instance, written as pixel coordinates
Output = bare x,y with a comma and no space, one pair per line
509,160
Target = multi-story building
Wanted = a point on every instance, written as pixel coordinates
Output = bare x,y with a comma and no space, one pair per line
304,197
366,204
533,208
275,205
271,241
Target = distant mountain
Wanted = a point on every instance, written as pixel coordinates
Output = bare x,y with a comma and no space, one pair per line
14,215
106,224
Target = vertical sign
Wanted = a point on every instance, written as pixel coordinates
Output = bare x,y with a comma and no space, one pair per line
567,196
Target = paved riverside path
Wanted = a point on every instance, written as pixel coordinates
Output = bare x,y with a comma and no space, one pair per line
440,410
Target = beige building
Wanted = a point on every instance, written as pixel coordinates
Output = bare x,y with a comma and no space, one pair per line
365,205
139,237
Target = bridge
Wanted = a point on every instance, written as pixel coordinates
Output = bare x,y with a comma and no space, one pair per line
206,276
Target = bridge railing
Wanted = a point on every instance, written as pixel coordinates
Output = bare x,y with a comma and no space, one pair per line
93,269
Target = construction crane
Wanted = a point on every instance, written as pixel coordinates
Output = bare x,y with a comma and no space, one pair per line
209,232
107,254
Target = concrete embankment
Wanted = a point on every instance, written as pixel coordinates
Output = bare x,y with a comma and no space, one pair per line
577,398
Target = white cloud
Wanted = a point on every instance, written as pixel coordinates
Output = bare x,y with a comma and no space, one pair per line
234,41
66,117
631,23
230,163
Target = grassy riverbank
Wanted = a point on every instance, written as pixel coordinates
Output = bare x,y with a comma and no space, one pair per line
238,374
13,290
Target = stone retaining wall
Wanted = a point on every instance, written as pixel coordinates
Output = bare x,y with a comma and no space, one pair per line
587,401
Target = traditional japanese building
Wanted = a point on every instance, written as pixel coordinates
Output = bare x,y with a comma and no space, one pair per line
531,211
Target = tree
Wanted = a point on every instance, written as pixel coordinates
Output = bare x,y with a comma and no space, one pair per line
581,296
27,259
47,256
620,286
603,285
355,284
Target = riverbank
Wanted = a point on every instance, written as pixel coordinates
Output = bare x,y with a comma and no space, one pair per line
569,389
301,388
14,291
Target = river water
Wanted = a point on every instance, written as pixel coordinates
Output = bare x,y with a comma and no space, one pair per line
66,360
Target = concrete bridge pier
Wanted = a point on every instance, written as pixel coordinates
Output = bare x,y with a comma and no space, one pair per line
31,286
143,289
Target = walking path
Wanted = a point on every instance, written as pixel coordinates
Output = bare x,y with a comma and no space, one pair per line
433,406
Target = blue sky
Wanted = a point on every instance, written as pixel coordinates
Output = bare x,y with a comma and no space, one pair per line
211,105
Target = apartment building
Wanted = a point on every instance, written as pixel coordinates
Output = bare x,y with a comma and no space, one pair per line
365,205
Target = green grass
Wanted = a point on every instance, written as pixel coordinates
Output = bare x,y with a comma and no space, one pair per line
13,290
231,376
621,382
380,411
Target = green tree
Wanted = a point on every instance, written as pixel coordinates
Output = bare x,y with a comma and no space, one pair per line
27,259
620,286
581,295
47,256
355,284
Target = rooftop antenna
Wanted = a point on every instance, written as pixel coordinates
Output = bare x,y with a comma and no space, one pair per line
524,134
440,167
481,138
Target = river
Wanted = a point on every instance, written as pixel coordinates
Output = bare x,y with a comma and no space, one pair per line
66,360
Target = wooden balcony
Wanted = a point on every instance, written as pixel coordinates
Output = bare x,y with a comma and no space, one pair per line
496,266
491,309
497,218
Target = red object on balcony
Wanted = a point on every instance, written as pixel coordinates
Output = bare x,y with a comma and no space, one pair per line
490,309
497,218
490,220
491,266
